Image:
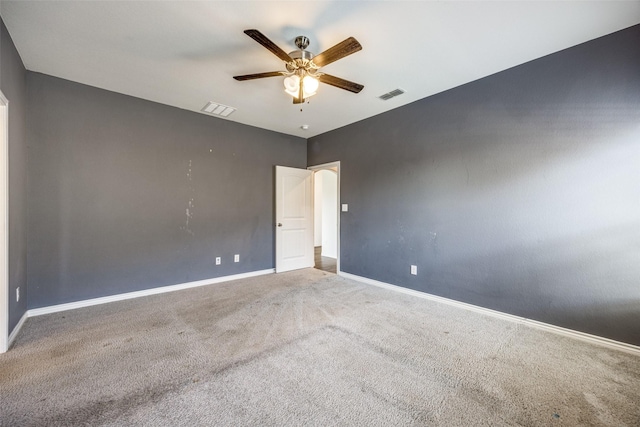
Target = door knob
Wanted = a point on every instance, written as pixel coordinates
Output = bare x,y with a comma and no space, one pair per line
279,224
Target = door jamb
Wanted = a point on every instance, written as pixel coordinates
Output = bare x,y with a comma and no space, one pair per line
327,166
4,224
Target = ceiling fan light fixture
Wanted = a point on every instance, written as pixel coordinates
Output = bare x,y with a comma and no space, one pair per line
292,84
301,76
309,85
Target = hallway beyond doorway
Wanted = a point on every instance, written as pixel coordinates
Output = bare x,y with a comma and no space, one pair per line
324,263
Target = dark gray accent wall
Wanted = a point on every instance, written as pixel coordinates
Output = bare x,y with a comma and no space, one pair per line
13,86
126,194
519,192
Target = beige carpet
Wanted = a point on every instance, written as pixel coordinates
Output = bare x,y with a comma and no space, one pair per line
306,348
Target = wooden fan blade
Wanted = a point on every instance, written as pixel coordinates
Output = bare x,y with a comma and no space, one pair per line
342,49
258,75
341,83
271,46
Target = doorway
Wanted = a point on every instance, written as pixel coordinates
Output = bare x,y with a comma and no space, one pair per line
326,216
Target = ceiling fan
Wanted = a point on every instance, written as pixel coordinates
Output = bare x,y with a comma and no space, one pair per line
302,67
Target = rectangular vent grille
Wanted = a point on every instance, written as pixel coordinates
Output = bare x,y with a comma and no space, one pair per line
391,94
217,109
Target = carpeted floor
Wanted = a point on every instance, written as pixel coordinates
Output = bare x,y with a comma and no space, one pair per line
306,348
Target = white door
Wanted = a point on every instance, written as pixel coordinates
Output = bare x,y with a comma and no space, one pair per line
294,219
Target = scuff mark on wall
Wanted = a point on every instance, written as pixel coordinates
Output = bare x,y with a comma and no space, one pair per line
190,204
434,242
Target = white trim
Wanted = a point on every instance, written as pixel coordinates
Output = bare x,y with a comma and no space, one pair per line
16,330
593,339
5,340
324,166
143,293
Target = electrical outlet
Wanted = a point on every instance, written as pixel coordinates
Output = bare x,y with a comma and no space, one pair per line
218,260
414,270
236,258
17,294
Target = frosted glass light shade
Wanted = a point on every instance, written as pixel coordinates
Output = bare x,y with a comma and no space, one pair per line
309,85
291,85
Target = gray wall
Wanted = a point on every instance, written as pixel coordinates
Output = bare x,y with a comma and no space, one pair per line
125,194
13,86
518,192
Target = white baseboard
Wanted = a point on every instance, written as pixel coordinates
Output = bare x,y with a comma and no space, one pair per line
16,330
594,339
143,293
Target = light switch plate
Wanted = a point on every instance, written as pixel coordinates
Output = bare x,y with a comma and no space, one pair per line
345,207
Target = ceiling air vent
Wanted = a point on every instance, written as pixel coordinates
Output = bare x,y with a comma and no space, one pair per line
391,94
216,109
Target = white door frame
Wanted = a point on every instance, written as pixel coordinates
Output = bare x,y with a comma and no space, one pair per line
331,166
4,223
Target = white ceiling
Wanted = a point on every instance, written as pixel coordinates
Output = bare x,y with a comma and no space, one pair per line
185,53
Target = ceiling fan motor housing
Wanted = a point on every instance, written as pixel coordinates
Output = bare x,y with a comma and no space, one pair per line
301,55
301,62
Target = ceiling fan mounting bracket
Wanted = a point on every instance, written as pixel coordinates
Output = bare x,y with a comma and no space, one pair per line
302,42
